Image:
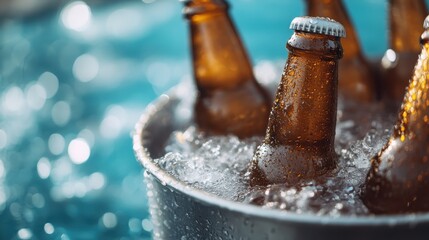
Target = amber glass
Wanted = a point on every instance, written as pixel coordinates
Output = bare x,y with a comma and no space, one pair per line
229,100
299,143
405,19
356,82
398,181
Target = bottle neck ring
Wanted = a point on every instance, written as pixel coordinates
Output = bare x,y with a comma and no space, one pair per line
316,44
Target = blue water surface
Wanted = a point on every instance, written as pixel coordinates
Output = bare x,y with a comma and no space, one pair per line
73,82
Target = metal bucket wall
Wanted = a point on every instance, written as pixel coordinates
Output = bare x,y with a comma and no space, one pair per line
181,212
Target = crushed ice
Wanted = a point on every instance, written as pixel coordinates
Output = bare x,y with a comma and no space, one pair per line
218,165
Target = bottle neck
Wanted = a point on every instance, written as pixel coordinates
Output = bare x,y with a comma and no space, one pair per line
406,17
194,7
304,112
219,58
336,10
414,115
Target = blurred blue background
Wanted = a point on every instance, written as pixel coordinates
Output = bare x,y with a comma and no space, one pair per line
74,78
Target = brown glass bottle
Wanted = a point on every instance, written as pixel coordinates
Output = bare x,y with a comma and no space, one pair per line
356,81
405,18
299,142
229,101
398,180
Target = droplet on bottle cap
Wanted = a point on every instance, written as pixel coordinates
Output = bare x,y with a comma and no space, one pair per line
426,23
320,25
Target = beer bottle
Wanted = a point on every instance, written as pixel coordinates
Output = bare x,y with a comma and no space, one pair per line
397,64
229,101
299,142
398,180
356,81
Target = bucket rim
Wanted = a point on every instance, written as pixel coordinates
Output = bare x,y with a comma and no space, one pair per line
143,157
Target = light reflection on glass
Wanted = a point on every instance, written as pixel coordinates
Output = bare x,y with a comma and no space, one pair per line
391,55
389,59
76,16
79,151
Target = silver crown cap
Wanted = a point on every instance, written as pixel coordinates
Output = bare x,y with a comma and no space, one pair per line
426,23
320,25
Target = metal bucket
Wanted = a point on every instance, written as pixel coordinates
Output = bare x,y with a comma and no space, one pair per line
179,211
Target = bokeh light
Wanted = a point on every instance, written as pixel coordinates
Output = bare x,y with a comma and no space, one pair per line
85,68
79,151
49,228
109,220
50,83
76,16
56,143
61,113
44,168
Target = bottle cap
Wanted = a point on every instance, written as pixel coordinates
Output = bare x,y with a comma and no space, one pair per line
426,23
320,25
